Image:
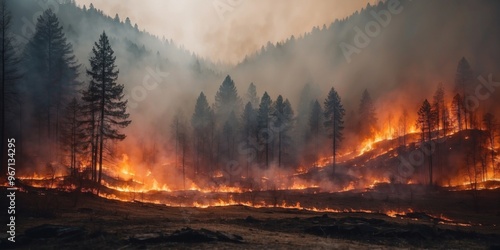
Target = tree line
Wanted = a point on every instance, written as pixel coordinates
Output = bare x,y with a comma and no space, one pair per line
250,133
60,118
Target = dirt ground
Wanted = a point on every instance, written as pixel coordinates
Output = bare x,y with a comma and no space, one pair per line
85,221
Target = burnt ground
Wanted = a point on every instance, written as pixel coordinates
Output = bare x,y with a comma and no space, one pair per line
51,219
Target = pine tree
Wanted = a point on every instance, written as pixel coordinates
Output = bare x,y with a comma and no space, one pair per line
334,121
249,128
227,100
282,116
111,113
426,125
9,73
53,67
368,119
117,18
438,110
264,124
252,95
201,123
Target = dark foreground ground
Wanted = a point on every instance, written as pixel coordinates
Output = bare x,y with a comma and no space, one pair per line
50,219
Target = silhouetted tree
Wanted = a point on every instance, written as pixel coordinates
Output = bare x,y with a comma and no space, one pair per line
201,123
334,121
252,95
282,118
249,128
264,124
109,95
226,100
52,66
426,124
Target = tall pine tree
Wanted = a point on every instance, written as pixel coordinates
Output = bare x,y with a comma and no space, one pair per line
53,72
334,121
108,94
264,125
282,118
249,129
201,121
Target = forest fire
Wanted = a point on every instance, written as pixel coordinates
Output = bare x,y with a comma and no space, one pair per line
339,127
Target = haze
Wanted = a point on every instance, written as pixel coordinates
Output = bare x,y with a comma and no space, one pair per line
236,29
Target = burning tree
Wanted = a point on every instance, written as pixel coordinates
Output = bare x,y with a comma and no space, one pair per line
334,121
105,96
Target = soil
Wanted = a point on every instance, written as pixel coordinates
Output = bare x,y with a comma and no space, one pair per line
55,219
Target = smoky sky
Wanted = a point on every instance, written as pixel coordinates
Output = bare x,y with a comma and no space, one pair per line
227,30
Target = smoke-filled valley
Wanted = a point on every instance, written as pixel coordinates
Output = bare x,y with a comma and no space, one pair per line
395,104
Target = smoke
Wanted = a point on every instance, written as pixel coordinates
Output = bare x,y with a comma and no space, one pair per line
400,66
228,30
